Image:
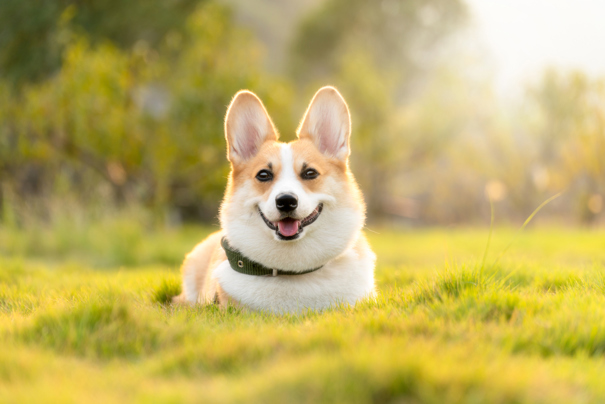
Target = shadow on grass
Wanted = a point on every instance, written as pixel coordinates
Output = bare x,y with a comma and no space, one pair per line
101,329
168,289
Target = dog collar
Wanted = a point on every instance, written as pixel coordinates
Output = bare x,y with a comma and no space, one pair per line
239,263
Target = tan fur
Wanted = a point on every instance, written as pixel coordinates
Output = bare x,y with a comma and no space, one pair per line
259,149
329,168
208,254
267,154
200,263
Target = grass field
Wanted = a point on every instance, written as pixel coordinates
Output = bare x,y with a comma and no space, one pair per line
83,319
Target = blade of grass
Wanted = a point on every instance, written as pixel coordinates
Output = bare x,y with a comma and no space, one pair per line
534,213
489,240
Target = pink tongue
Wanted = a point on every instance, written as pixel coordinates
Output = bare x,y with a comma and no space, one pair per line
288,227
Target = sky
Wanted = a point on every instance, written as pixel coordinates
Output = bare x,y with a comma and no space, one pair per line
523,37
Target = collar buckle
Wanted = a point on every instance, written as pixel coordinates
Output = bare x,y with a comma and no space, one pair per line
274,272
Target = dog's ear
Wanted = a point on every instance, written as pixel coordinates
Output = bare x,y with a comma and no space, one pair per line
327,123
247,127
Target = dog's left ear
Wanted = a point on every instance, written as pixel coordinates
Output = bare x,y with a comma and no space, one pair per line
327,123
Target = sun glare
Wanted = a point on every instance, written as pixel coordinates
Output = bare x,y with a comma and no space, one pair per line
524,37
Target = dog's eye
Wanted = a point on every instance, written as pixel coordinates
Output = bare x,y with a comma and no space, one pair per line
309,174
264,175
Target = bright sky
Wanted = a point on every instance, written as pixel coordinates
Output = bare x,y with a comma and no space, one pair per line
525,36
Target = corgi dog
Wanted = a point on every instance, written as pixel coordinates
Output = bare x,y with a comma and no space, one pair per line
291,218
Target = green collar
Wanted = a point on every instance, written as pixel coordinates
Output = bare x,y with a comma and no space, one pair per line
243,265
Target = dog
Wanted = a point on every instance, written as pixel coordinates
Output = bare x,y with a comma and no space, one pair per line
291,218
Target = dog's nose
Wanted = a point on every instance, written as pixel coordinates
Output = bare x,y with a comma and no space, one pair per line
286,202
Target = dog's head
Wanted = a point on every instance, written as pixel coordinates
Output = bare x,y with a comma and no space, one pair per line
296,205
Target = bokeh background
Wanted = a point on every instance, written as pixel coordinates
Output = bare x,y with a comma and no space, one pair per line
112,108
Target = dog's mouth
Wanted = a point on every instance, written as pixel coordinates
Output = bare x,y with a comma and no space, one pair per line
290,228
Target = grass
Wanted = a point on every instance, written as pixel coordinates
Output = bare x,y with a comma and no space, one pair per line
84,318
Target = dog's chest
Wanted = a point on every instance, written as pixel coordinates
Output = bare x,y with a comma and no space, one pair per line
346,279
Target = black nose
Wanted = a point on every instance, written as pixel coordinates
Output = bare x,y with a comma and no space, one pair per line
286,202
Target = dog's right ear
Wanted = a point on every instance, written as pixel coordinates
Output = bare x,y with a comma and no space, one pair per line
247,127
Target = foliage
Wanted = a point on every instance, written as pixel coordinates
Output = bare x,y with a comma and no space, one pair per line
528,330
569,125
397,35
138,126
376,54
119,105
33,34
456,138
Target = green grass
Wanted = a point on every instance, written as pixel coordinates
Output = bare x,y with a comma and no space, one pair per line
85,318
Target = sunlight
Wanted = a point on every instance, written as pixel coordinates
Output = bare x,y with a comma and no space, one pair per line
525,36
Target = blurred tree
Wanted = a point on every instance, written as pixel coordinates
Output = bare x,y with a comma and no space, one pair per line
441,140
272,23
400,36
124,102
32,35
374,52
569,126
135,125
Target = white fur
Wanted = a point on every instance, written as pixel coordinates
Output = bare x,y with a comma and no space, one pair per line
329,236
288,182
334,241
345,279
190,286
